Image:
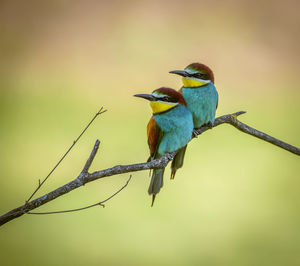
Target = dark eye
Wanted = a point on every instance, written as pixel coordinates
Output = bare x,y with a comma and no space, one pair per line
165,99
201,76
168,99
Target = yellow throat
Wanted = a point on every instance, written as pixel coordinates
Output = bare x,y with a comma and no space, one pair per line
159,107
191,83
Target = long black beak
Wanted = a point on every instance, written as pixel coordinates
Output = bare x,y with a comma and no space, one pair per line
149,97
179,72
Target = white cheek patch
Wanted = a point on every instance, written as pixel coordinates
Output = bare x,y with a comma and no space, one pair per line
168,103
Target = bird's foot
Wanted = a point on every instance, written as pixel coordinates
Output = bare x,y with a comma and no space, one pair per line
195,133
198,131
210,125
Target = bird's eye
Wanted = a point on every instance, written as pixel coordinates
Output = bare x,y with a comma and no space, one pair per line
198,75
168,99
201,76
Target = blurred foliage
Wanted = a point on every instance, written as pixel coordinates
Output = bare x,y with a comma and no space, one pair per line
235,202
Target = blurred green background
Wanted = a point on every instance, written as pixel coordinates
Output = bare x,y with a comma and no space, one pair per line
235,202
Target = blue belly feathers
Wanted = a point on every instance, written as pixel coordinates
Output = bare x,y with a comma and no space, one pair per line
201,101
177,126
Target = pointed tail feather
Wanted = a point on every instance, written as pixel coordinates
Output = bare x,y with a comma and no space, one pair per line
156,183
153,198
178,161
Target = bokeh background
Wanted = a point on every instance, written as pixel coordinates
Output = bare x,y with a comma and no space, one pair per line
235,202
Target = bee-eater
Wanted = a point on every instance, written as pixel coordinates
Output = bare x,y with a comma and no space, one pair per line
170,128
201,97
199,92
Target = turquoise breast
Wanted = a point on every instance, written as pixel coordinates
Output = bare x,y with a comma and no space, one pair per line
202,102
177,127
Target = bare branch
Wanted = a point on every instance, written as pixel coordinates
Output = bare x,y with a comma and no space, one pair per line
232,120
100,203
162,162
101,111
91,158
256,133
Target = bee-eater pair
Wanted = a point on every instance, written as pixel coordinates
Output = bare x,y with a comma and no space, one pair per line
176,114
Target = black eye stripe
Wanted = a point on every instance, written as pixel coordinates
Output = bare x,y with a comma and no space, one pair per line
167,99
201,76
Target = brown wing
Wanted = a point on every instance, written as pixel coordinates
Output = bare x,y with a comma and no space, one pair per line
154,135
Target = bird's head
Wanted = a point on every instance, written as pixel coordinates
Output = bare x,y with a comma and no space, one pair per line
163,99
195,75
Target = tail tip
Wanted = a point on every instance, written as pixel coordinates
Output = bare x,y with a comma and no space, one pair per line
173,172
153,198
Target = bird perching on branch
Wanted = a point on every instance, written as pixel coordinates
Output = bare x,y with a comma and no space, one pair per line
199,92
169,129
200,95
171,121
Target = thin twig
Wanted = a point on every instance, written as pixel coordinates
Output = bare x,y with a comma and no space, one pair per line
100,203
91,158
101,111
162,162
